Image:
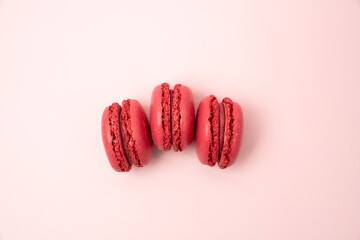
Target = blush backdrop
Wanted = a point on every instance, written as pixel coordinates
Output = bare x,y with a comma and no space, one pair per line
294,66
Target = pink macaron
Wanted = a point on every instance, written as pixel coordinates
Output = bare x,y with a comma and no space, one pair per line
126,135
219,128
172,117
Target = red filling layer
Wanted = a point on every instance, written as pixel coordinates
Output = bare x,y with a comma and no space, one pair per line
114,117
228,132
171,103
126,124
214,128
176,117
166,123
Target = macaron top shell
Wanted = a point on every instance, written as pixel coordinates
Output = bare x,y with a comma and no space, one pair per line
111,136
183,117
160,117
136,132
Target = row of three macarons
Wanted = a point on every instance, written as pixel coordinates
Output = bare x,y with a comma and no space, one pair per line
128,141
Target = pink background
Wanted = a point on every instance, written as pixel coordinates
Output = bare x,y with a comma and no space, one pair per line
294,66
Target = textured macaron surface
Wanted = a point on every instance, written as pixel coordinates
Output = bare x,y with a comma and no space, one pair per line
176,118
214,119
165,115
112,138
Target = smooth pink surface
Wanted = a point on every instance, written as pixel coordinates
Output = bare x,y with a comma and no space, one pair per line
107,139
292,65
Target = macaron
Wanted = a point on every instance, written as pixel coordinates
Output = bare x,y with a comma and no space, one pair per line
126,135
219,128
172,117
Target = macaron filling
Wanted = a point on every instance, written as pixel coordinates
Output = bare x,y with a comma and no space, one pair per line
170,118
117,143
176,118
228,133
165,116
221,128
126,124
